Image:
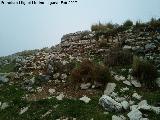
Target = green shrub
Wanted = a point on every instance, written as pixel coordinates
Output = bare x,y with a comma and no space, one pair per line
144,71
90,72
118,58
139,24
102,74
128,23
102,27
154,23
103,44
84,72
11,67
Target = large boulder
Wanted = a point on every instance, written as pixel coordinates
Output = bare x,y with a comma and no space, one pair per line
110,104
4,105
135,115
125,104
85,99
136,83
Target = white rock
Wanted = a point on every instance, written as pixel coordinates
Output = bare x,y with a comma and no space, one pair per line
85,86
4,79
109,88
114,95
39,89
155,109
47,113
55,106
158,37
57,81
124,89
143,105
110,104
130,70
120,117
64,62
123,69
135,95
127,82
51,91
63,76
32,80
143,102
136,83
112,72
119,78
93,86
70,57
131,102
130,77
60,97
4,105
125,104
85,99
55,76
133,107
63,81
158,82
135,115
23,110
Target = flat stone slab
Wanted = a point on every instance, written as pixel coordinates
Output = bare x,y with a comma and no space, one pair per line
136,83
85,99
109,88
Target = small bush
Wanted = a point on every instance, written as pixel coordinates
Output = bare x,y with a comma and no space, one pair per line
144,71
154,23
83,73
128,23
102,74
139,24
11,67
89,72
102,27
103,44
118,58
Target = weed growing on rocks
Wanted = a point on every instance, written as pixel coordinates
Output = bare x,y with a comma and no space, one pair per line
144,71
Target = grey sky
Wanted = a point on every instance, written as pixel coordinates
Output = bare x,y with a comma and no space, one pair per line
37,26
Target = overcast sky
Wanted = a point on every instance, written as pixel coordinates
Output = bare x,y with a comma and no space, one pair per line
37,26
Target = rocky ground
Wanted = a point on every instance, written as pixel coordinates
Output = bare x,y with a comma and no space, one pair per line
37,84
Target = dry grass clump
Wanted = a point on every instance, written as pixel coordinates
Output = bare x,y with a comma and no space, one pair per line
90,72
144,71
118,58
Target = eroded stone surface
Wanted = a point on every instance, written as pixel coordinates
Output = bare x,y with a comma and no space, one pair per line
135,115
110,104
109,88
